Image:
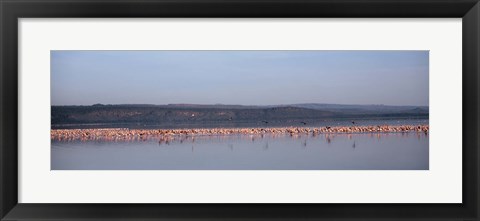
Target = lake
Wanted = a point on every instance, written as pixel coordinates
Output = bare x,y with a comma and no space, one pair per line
385,151
236,124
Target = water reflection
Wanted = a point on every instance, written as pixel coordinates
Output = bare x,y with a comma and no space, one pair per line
247,152
254,138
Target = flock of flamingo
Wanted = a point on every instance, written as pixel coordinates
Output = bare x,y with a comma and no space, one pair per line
129,134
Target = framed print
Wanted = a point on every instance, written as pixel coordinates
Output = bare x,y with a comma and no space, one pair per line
211,108
319,110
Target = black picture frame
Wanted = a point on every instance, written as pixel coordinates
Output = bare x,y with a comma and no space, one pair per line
12,10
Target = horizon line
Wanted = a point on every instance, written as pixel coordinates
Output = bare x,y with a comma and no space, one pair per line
251,105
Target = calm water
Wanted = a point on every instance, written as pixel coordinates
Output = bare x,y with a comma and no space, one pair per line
400,151
294,123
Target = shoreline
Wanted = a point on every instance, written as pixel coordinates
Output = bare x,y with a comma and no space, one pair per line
127,134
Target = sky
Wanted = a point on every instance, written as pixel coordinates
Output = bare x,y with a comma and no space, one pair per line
239,77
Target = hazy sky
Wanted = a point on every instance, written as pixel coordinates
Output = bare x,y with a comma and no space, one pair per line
239,77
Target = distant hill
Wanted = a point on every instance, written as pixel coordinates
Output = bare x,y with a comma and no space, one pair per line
219,113
365,109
